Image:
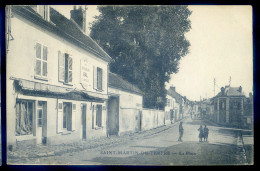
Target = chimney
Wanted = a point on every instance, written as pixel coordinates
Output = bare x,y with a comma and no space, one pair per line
172,88
79,16
222,91
240,89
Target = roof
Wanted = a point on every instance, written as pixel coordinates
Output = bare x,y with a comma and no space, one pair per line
231,91
63,27
116,81
175,95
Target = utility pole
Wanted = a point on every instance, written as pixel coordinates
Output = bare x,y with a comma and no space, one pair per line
229,81
214,85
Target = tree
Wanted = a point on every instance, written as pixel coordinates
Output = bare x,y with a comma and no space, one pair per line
146,42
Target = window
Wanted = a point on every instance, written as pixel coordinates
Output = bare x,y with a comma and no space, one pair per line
99,115
168,102
24,118
65,68
41,60
43,10
67,113
39,114
98,78
66,117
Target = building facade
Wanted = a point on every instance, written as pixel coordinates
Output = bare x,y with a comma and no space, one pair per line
56,80
124,106
177,106
229,106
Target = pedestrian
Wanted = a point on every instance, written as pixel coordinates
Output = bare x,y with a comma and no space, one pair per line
201,133
181,130
206,133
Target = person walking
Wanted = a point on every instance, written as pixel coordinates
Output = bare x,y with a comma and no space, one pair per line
206,133
181,130
201,133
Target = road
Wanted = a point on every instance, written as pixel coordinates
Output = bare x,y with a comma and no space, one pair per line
162,149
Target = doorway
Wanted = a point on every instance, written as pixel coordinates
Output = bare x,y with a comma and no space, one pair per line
84,115
41,122
113,115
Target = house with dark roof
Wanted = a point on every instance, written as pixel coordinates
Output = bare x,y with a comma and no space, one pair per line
57,77
174,106
124,106
229,106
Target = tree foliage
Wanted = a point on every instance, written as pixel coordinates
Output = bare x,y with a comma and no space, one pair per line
146,42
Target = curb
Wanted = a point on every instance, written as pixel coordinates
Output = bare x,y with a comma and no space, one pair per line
94,146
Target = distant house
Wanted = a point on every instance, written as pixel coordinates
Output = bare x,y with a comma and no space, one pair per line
124,106
57,77
171,110
248,112
175,105
229,106
207,109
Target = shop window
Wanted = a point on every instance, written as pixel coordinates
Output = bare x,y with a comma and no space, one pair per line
41,65
24,118
65,68
99,115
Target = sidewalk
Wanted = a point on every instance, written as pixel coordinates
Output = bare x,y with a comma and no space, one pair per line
60,149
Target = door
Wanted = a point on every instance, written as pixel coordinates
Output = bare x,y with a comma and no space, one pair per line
84,111
113,116
41,122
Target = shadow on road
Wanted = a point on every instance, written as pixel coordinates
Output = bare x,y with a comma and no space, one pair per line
186,153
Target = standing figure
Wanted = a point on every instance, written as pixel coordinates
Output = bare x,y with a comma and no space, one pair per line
206,133
201,133
181,130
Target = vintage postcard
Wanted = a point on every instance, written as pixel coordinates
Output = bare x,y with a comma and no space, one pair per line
140,85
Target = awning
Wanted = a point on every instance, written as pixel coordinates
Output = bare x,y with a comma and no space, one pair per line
33,88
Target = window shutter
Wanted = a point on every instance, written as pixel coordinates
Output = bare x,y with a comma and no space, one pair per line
102,79
61,66
95,77
44,62
73,117
38,59
60,117
70,62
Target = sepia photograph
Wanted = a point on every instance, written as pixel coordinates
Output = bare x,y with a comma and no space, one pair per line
143,85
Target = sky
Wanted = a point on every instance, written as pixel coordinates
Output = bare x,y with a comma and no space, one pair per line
221,48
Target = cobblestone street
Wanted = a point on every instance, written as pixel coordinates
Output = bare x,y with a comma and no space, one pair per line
155,147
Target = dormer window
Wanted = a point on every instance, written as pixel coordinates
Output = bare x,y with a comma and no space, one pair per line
43,10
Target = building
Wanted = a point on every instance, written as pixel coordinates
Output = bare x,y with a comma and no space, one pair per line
124,106
57,78
171,110
229,106
175,105
248,121
207,109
